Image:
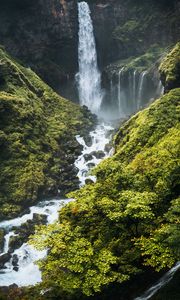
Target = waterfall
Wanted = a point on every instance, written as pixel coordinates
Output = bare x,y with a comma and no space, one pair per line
119,91
140,88
88,78
26,272
160,89
134,87
161,283
111,89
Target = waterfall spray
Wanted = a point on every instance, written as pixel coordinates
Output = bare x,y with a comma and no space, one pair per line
88,78
160,89
134,88
119,90
140,88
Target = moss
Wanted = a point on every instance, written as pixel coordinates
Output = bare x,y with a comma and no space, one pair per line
129,218
126,32
170,68
143,23
146,61
37,127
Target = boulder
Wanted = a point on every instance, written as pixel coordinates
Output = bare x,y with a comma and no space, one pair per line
4,258
98,154
2,234
88,157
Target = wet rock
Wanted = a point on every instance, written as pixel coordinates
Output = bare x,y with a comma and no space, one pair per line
70,159
88,157
6,289
89,181
88,140
90,165
109,132
98,154
15,260
108,147
4,258
26,211
15,242
2,234
25,230
39,219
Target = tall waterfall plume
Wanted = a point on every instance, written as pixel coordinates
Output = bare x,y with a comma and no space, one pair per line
88,78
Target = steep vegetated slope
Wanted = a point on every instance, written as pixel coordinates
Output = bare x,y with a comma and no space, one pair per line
37,138
128,221
170,69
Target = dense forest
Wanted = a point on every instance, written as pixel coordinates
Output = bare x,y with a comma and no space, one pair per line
89,150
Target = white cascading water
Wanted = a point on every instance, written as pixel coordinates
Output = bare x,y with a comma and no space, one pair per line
90,94
160,284
134,88
88,78
140,88
160,89
28,272
119,91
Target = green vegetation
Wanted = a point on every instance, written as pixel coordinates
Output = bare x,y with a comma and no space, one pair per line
129,220
170,68
143,23
140,63
37,137
127,32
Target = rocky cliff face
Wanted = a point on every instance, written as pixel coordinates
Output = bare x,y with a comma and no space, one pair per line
129,28
44,33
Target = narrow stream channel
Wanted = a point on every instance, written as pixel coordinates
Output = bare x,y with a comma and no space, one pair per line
20,267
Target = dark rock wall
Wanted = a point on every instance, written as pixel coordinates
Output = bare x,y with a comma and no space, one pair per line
44,33
129,28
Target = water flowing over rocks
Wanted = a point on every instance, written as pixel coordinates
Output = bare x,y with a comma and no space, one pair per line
161,283
123,43
17,260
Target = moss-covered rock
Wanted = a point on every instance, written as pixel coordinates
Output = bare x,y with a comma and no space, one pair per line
170,69
128,221
37,138
2,234
141,63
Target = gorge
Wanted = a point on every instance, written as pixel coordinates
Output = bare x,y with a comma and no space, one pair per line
118,223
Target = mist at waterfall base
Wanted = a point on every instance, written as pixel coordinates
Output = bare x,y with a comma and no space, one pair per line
127,92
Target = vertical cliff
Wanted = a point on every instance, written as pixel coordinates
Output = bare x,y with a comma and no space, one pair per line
42,34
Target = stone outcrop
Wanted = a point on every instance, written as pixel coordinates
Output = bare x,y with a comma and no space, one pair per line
44,33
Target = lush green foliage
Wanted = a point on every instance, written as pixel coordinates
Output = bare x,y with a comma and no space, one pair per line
147,21
127,219
37,130
170,68
140,63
